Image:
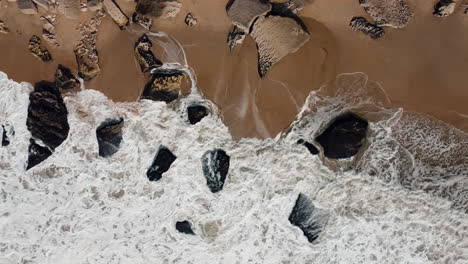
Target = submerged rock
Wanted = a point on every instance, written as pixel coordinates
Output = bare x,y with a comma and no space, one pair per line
190,20
235,37
161,163
65,79
362,25
37,154
444,8
94,5
117,15
308,218
5,140
389,13
48,29
36,49
69,8
244,12
215,165
27,7
144,55
294,5
43,3
144,21
196,113
158,8
3,28
109,136
47,115
276,37
343,137
184,227
312,149
164,85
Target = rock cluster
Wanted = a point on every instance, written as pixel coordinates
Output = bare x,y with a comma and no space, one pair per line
27,7
3,28
144,55
164,85
184,227
65,79
190,20
109,136
48,29
196,113
144,21
158,8
310,219
116,14
36,49
444,8
161,163
215,166
361,24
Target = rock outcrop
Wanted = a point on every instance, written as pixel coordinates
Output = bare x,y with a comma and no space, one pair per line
444,8
48,29
144,55
215,166
362,25
36,49
109,136
244,12
164,85
47,115
43,3
27,7
116,14
161,163
65,79
388,13
310,219
5,139
3,28
196,113
312,149
343,137
235,37
158,8
190,20
144,21
36,154
184,227
69,8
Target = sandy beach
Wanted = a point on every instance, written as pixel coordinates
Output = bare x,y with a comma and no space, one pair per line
421,67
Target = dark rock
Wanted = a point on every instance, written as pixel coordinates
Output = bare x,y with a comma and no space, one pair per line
362,25
158,8
184,227
312,149
164,85
307,217
36,49
144,55
109,136
47,115
215,165
343,137
37,154
235,37
196,113
3,28
190,20
444,8
144,21
5,140
161,163
65,79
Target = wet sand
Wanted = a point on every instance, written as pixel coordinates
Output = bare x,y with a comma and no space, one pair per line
421,67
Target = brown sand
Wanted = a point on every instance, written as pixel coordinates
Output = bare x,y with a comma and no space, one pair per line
421,67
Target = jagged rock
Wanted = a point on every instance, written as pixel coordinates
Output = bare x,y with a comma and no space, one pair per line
48,30
65,79
94,5
143,21
444,8
196,113
3,28
184,227
235,37
164,85
47,115
36,50
37,154
362,25
144,55
215,165
85,51
190,20
117,15
312,149
388,13
276,37
294,5
310,219
109,136
161,163
5,140
244,12
69,8
43,3
343,137
27,7
158,8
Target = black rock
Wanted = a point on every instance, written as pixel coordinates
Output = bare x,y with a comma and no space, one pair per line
312,149
184,227
215,165
37,154
161,163
443,9
5,140
65,79
196,113
362,25
109,136
144,21
235,37
144,55
47,115
164,85
307,217
343,137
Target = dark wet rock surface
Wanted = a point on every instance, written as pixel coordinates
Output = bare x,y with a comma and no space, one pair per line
190,20
235,37
37,50
185,227
144,21
164,85
307,217
3,28
144,55
312,149
362,25
343,137
109,136
65,79
158,8
161,163
5,139
196,113
37,154
215,165
47,115
444,8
